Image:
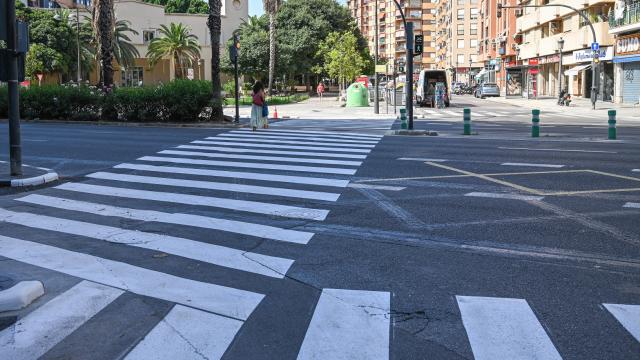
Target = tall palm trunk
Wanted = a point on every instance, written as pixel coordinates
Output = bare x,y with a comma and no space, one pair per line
215,28
272,46
104,25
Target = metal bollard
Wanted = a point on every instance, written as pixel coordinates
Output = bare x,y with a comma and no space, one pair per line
467,121
612,125
535,123
403,119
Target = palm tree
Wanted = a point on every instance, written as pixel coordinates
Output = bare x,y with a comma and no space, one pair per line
124,51
253,24
271,7
104,23
178,44
214,23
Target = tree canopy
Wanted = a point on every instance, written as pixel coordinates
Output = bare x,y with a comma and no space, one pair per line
182,6
341,58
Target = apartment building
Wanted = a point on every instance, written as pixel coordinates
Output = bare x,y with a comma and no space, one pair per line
391,34
146,19
624,24
457,38
555,45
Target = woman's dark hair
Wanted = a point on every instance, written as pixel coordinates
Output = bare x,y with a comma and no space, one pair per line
257,87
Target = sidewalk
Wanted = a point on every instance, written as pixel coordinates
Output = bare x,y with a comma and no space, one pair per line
577,104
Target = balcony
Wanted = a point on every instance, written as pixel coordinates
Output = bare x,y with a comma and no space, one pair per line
630,19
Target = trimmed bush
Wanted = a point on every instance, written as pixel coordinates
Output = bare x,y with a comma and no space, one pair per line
177,101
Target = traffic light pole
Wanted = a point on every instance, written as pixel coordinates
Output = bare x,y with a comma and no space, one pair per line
408,29
594,72
15,149
376,101
236,75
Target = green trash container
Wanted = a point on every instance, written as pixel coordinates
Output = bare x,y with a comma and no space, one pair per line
357,95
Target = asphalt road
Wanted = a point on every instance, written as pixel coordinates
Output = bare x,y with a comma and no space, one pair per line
492,246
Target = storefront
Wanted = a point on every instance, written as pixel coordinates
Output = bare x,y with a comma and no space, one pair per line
580,74
627,69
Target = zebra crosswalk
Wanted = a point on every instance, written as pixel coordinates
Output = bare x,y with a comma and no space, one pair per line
213,216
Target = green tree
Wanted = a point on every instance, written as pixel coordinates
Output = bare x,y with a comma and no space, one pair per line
104,23
214,22
271,7
176,43
42,60
342,58
182,6
253,57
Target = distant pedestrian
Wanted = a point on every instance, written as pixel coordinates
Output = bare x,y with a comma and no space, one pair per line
258,119
320,90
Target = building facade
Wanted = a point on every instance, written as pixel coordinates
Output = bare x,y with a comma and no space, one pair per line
391,35
147,19
624,25
457,38
554,48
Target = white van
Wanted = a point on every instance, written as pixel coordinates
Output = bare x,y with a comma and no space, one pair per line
425,93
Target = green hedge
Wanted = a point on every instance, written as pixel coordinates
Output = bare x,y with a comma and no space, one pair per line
273,100
177,101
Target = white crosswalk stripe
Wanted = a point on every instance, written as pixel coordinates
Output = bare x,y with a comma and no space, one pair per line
348,324
209,185
195,334
39,331
285,137
292,142
500,328
311,135
257,157
628,316
313,132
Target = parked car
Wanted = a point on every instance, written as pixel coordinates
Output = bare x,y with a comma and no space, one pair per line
487,89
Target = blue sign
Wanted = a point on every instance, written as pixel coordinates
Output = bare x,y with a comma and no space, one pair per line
595,46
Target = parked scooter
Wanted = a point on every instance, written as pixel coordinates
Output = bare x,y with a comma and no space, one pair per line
564,99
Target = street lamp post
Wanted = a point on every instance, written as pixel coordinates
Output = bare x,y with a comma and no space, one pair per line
560,46
469,72
594,89
79,66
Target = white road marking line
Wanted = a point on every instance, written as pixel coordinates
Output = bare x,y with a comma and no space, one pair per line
218,299
312,169
559,150
292,142
494,114
451,113
269,146
209,253
636,170
533,165
237,175
376,187
628,316
186,333
632,205
209,185
595,127
312,132
302,136
285,137
421,159
276,152
259,157
39,331
198,200
505,196
502,328
431,112
348,324
232,226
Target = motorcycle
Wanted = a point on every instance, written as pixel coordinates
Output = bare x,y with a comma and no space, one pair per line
564,99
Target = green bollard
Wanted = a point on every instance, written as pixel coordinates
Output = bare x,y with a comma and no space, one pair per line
467,121
403,119
535,123
612,125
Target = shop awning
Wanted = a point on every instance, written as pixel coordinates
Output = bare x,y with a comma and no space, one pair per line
481,74
574,71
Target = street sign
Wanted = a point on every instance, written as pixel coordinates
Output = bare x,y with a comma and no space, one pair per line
381,69
418,45
190,74
595,46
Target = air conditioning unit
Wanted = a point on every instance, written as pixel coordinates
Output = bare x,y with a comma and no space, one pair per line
518,12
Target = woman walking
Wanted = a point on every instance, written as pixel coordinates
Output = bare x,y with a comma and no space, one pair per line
257,117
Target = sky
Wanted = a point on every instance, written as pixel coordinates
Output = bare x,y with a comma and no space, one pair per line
255,6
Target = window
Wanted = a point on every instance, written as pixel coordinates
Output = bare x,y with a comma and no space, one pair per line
474,13
473,30
460,59
473,43
460,14
148,35
460,29
132,76
460,43
461,2
474,57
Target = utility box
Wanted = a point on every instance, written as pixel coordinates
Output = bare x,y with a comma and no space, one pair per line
357,95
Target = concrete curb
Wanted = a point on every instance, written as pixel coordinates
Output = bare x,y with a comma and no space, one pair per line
132,124
48,176
20,295
412,132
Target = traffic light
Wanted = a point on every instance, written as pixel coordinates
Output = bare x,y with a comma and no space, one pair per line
418,45
499,12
